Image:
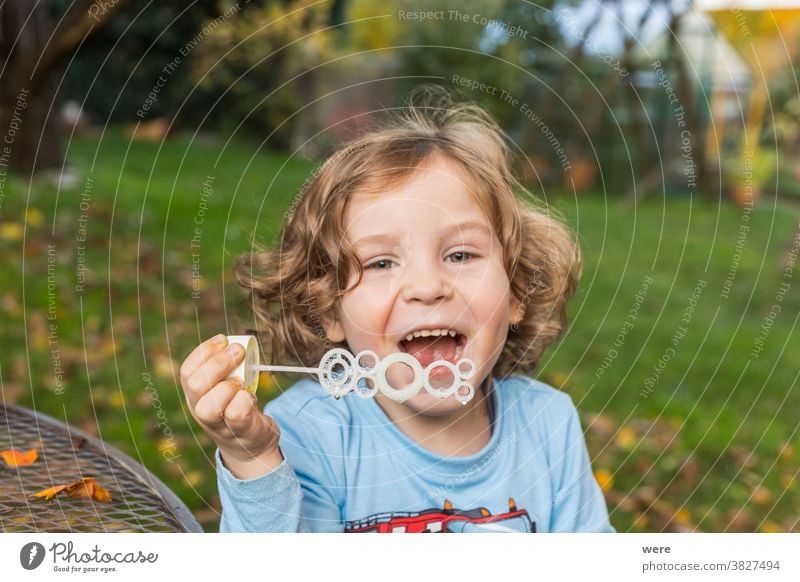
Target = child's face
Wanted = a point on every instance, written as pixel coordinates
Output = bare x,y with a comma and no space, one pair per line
431,261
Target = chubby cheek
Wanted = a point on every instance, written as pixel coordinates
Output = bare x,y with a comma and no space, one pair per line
489,304
363,313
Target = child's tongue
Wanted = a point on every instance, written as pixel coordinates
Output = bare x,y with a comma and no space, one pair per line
429,349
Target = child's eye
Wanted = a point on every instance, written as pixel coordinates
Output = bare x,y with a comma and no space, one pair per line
380,264
461,256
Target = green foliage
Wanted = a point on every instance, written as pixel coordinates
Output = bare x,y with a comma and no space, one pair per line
113,72
259,65
491,42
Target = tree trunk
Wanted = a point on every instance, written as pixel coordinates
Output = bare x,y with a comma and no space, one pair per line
31,50
24,100
30,128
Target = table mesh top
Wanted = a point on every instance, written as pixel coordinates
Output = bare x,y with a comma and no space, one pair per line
137,503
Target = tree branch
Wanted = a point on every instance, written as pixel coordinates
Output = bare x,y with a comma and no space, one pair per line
81,19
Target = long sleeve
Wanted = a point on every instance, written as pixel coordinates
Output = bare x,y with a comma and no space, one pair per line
304,493
578,504
270,503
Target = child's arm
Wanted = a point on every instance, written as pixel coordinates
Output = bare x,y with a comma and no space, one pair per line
247,440
578,505
304,492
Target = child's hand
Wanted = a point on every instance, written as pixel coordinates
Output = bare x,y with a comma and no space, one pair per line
247,439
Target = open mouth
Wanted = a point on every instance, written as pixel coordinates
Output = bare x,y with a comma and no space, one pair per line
429,345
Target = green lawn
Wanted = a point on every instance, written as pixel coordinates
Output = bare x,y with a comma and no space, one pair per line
707,445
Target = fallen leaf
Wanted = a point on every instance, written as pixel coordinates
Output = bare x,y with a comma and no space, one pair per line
86,487
11,231
194,478
626,438
34,217
101,494
604,479
786,452
117,400
601,424
682,516
164,367
48,494
82,488
761,495
15,458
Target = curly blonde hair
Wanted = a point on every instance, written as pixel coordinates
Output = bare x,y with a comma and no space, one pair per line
294,287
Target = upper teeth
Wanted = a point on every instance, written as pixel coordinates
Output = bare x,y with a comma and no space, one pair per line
429,332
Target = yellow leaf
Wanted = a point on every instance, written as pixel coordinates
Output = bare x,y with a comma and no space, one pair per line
164,366
166,443
682,516
34,217
605,479
48,494
11,231
194,478
117,400
770,527
15,458
626,438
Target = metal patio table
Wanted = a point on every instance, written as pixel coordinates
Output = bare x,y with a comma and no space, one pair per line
140,502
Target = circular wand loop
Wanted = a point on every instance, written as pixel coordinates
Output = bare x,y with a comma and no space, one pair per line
339,372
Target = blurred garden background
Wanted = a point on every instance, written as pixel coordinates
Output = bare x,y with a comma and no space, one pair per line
143,146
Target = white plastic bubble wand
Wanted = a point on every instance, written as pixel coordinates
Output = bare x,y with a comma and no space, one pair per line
339,372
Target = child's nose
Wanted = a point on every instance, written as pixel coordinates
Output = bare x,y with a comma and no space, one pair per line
425,281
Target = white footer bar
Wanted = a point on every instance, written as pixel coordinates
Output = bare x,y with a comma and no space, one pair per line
329,557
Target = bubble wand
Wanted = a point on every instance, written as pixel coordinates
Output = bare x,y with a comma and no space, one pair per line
340,372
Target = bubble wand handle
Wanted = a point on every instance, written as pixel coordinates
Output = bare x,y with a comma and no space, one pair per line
298,369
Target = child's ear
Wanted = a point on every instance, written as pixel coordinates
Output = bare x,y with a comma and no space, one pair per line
333,328
516,310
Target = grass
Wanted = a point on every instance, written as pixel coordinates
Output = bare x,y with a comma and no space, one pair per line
709,446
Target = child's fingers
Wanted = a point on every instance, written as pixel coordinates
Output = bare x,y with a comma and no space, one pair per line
201,353
245,420
239,412
211,372
210,408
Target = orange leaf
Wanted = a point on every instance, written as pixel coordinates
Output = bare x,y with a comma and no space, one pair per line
15,458
101,494
82,488
604,479
86,487
48,494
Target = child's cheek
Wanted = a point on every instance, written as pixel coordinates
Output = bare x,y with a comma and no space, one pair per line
364,308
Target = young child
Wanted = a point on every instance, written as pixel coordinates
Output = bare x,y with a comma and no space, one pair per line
408,239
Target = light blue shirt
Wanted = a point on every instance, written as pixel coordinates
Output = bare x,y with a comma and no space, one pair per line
347,467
